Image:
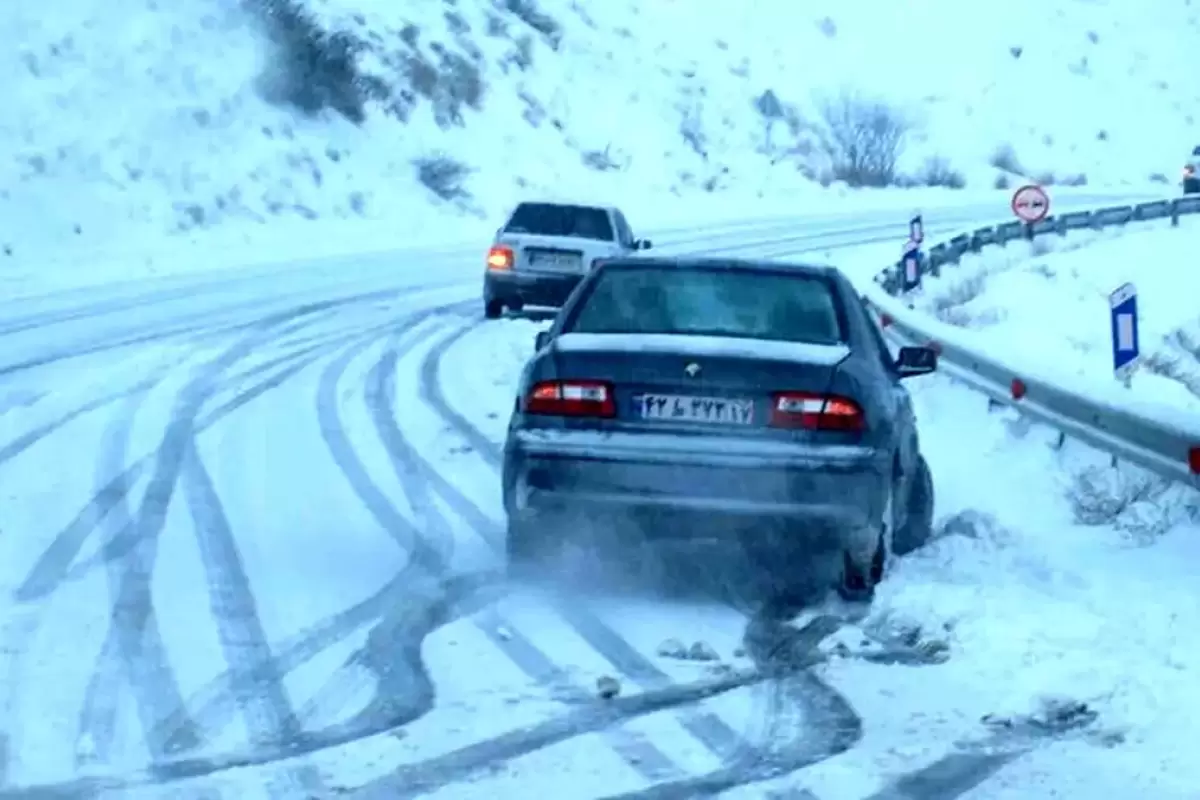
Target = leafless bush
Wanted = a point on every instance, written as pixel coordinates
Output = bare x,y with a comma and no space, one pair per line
311,69
691,128
443,176
936,171
528,12
1002,181
948,304
601,160
1131,500
866,136
1158,177
1178,359
1004,157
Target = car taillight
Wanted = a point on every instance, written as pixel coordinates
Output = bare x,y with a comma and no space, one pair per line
571,399
815,412
1189,171
500,258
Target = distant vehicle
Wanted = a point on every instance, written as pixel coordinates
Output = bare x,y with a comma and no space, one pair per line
544,250
1191,180
677,398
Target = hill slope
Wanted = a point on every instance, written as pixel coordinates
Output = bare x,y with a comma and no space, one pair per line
130,117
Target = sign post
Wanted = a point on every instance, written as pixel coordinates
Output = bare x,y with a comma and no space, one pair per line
1031,205
1122,305
910,259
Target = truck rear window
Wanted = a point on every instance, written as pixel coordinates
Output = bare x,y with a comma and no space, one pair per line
711,302
553,219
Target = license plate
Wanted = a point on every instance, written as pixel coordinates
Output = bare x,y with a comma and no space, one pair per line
682,408
555,261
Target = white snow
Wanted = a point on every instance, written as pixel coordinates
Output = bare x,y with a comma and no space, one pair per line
824,355
1049,309
145,169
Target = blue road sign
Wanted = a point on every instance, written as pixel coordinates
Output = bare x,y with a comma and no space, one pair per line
910,261
1122,304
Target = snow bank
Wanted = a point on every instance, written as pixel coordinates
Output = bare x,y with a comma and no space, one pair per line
1045,305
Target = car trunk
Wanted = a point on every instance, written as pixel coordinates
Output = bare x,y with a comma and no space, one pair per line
559,255
698,384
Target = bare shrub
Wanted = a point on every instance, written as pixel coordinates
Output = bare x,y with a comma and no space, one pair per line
311,69
1131,500
443,176
601,160
947,306
866,136
936,171
1158,177
1002,181
1004,157
528,12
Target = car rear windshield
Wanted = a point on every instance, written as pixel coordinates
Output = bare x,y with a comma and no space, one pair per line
552,219
712,302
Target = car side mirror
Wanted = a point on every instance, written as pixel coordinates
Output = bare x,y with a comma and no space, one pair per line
644,244
541,340
913,361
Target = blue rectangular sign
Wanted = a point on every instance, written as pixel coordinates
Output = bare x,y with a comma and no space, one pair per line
1124,322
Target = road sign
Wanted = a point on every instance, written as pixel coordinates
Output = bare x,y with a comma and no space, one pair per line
1031,203
912,269
1122,304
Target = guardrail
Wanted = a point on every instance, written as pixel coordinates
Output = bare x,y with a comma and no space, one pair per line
1161,439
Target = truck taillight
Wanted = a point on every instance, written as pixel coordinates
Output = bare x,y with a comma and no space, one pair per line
500,258
571,399
816,412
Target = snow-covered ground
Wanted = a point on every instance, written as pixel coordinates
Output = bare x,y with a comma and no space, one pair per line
272,572
249,502
446,114
1045,305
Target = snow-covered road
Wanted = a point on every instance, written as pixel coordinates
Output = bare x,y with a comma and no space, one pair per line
249,529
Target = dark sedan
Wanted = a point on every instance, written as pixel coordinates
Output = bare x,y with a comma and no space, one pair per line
674,398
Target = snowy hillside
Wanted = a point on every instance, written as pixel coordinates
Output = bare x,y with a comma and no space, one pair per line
129,117
1052,311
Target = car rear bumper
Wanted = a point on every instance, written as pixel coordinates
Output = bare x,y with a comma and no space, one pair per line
1191,185
838,491
533,289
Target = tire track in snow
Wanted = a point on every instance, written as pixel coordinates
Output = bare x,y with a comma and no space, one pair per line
709,729
133,653
475,760
426,561
264,703
57,563
422,481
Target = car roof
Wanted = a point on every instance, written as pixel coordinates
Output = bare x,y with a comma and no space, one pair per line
560,202
710,262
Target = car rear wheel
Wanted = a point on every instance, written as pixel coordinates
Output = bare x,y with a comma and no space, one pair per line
916,529
493,309
859,575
